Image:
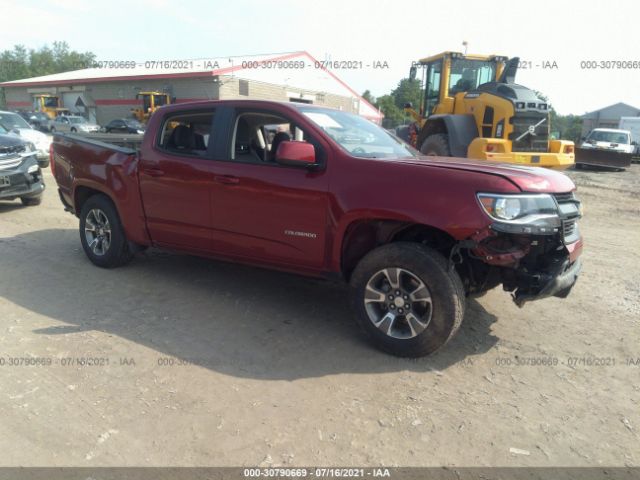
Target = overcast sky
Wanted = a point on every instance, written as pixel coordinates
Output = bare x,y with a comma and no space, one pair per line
564,32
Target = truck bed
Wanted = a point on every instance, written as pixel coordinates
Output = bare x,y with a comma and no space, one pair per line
83,166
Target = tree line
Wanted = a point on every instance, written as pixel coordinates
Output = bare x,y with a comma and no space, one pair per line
20,62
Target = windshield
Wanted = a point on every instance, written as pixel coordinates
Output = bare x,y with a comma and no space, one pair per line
611,137
50,102
11,121
358,136
77,120
468,74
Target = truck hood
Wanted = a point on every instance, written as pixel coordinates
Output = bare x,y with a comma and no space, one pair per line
527,179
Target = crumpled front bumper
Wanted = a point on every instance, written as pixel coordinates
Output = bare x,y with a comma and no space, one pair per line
558,284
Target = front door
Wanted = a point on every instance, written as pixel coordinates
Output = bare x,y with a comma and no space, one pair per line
262,210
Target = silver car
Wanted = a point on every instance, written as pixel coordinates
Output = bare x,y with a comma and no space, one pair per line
73,124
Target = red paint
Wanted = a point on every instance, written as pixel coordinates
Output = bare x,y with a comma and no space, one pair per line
296,152
118,101
286,217
18,104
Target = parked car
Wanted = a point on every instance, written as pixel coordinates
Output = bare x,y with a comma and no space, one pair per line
13,124
73,124
20,174
38,120
124,125
332,195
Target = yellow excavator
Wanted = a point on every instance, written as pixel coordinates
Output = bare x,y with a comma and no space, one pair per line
472,107
48,104
150,102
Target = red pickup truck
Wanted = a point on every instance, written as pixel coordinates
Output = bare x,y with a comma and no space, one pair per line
324,193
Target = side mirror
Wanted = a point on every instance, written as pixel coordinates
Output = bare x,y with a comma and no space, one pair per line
634,143
413,71
296,154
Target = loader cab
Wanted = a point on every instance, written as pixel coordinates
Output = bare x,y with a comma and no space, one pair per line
449,74
150,102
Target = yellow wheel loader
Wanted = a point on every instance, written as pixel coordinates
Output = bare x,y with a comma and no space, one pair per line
48,104
472,108
150,101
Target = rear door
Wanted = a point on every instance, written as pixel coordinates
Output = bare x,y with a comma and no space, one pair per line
261,210
176,178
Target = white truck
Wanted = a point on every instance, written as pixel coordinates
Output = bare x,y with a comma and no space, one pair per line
632,124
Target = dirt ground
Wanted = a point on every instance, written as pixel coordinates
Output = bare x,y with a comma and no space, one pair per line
175,360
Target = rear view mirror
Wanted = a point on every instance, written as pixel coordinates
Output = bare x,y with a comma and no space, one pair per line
296,154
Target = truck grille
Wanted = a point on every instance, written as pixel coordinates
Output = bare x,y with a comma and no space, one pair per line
568,228
530,143
569,213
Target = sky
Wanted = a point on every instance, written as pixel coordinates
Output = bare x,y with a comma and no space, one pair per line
545,33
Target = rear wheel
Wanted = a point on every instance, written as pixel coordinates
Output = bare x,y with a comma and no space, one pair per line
73,130
101,233
408,302
436,145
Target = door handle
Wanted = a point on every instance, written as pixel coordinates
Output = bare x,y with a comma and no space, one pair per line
227,179
153,172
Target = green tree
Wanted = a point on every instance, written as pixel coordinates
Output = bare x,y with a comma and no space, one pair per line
19,63
407,91
369,97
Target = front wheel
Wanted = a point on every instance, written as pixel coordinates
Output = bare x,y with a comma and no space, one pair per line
436,145
101,233
406,299
31,201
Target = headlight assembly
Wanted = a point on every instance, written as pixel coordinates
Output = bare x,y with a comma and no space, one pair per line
522,213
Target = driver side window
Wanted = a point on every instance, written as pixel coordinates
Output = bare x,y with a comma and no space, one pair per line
257,136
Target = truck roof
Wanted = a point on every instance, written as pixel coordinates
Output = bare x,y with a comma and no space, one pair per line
291,105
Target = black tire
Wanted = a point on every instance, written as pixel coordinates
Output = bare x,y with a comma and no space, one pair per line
444,286
52,129
436,145
43,163
117,253
73,130
31,201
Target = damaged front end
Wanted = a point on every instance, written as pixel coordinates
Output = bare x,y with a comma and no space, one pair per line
532,246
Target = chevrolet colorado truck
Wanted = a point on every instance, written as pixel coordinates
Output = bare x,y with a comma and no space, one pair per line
325,193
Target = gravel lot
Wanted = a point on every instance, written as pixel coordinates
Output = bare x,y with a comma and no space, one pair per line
195,362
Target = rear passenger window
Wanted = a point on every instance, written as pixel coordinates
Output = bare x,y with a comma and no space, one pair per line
187,133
